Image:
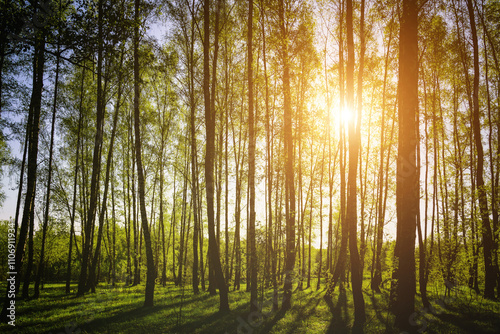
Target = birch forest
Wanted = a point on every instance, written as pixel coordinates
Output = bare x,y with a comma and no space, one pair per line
258,166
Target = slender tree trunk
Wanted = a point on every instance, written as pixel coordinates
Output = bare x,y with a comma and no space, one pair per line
92,282
41,264
320,260
21,178
209,164
338,271
487,236
351,212
407,182
33,130
422,250
113,217
226,157
172,227
251,166
161,218
127,211
194,153
29,264
96,160
75,185
494,182
151,274
309,241
362,245
289,174
182,232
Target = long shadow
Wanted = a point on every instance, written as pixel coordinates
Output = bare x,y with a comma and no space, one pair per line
74,301
481,322
218,322
122,312
95,324
270,322
302,315
53,306
379,310
340,316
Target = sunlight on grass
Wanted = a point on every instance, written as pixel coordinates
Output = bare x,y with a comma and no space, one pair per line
178,310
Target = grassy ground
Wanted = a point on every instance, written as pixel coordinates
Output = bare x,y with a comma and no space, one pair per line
177,310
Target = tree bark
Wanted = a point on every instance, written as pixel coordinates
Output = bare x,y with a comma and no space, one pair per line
407,182
351,212
96,160
209,163
289,173
41,264
33,129
75,185
251,165
487,235
92,282
151,274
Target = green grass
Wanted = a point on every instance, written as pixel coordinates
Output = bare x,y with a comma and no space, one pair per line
177,310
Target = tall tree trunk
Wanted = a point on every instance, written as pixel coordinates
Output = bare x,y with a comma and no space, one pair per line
113,246
75,185
161,218
289,174
362,245
172,227
309,241
379,234
194,153
200,227
96,160
226,154
151,274
133,190
41,264
422,246
21,178
269,168
320,260
338,271
237,213
407,182
487,236
251,165
209,164
127,209
33,130
494,181
351,212
92,282
29,264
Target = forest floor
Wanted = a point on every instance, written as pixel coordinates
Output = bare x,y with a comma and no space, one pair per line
178,310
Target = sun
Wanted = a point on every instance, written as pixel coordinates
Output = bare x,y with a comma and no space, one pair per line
346,115
336,115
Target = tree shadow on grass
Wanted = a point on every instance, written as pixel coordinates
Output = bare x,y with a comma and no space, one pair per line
215,323
101,324
380,311
340,315
477,322
304,312
123,313
269,323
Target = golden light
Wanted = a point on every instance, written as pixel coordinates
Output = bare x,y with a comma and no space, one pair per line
345,115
